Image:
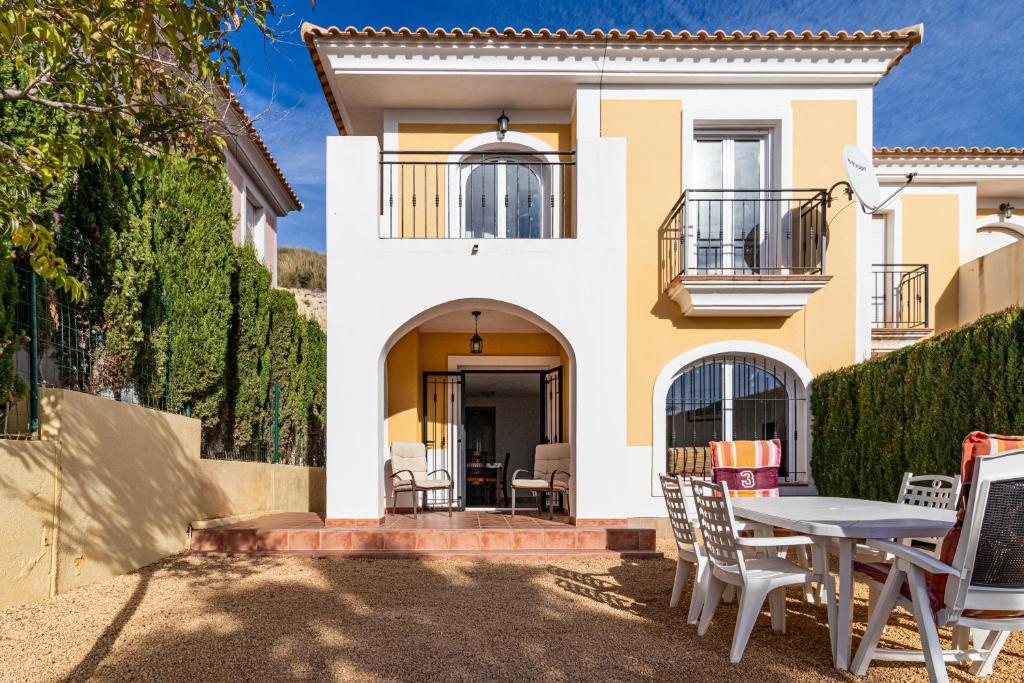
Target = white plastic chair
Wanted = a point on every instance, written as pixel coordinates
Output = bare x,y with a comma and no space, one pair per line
682,516
757,578
984,590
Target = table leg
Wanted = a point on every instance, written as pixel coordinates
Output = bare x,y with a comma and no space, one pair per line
819,561
844,606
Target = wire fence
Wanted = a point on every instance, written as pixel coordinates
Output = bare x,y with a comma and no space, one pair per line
63,344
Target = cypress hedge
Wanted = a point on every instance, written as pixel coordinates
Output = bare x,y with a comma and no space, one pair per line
910,410
189,321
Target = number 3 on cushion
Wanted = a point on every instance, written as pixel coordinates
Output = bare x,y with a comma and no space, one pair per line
746,479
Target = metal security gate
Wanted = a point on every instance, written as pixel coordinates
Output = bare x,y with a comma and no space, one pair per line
444,420
551,405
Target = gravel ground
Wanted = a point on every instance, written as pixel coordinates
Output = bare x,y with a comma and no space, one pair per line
266,619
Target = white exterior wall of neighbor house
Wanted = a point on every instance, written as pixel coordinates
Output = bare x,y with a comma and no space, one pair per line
244,188
574,289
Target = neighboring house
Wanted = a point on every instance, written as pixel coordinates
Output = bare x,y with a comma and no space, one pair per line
644,223
260,193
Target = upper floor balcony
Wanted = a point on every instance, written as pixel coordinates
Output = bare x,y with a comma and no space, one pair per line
900,306
758,252
481,194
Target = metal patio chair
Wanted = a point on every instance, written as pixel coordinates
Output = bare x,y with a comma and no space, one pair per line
979,591
409,475
551,465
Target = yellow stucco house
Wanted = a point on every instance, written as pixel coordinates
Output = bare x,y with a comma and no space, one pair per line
629,242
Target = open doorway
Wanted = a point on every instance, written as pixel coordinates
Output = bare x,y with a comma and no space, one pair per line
494,419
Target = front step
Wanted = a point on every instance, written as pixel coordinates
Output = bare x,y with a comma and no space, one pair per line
538,543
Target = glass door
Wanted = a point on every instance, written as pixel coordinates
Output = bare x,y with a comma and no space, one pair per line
730,216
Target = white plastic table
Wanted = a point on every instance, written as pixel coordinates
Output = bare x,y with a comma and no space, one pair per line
849,521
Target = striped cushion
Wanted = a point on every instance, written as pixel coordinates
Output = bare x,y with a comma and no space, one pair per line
976,445
750,468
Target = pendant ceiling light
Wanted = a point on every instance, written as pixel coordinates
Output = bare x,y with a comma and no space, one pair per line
476,342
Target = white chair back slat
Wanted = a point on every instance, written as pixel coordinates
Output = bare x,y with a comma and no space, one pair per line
930,490
682,513
718,525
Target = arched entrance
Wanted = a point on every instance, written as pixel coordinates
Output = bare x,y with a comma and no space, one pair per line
480,415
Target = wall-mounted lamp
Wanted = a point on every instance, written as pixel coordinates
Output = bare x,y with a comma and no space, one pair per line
1006,209
476,342
502,125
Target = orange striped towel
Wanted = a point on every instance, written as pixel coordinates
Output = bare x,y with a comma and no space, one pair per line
746,453
979,444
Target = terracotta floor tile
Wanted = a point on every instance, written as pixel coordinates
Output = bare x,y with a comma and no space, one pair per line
623,539
591,539
496,539
432,539
335,539
559,539
271,539
464,539
367,540
304,539
528,539
400,539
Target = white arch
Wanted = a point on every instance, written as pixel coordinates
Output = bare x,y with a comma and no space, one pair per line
569,388
992,234
522,142
675,366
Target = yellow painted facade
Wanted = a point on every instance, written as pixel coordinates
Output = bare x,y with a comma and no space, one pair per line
931,228
822,335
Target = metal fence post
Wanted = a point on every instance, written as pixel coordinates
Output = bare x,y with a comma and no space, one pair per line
277,423
33,332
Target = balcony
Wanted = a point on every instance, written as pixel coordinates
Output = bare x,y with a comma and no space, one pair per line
494,194
899,305
744,252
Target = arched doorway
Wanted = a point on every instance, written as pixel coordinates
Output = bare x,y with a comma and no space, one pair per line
479,415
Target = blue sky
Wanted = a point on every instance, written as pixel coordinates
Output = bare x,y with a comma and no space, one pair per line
960,87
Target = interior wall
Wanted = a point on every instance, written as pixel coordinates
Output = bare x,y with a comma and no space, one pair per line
517,426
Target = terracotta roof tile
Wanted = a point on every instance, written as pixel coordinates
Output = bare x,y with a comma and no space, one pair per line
909,36
949,151
255,136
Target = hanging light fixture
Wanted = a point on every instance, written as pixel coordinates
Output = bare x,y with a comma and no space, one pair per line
1007,210
502,125
476,342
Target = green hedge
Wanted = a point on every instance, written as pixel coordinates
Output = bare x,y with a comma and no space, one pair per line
910,410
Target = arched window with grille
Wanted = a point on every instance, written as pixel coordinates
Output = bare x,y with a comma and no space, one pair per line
507,196
732,398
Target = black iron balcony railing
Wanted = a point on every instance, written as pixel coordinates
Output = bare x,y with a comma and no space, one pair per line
744,232
900,299
476,195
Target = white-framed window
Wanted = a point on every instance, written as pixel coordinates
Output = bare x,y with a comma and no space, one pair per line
729,210
734,397
253,224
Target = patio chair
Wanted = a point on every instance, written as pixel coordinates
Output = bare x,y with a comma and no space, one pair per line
757,578
976,586
751,469
682,516
551,463
409,475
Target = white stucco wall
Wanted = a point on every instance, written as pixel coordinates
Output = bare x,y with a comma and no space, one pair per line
573,288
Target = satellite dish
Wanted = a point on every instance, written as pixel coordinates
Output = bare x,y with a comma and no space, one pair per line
861,174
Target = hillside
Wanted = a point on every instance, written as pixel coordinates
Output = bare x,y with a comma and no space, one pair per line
299,268
303,272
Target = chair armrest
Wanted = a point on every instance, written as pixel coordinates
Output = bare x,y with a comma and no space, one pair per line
771,541
447,474
746,525
412,477
516,473
914,556
554,472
